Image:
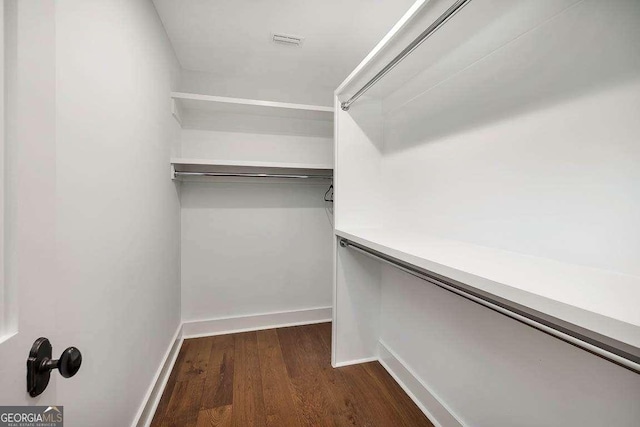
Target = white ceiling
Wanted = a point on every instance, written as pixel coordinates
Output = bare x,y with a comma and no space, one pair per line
232,38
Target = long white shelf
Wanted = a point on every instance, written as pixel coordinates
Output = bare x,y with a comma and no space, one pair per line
251,164
210,103
601,301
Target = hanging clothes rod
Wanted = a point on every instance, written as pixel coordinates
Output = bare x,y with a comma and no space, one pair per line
177,174
622,354
457,6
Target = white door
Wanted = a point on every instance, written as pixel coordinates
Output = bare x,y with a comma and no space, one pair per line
29,280
91,219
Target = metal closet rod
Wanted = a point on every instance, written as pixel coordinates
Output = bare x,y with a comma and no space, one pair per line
539,321
435,26
177,174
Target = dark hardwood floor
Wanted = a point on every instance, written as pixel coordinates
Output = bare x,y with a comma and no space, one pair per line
279,377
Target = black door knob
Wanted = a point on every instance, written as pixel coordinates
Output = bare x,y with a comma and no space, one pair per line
40,364
70,362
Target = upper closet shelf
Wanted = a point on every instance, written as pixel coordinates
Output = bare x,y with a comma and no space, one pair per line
181,168
221,104
601,301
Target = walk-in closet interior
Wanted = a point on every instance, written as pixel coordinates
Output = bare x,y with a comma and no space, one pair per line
307,213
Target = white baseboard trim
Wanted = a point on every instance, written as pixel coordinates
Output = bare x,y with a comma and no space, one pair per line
255,322
437,411
152,398
356,361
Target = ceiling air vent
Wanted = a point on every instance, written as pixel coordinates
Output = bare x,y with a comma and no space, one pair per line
287,39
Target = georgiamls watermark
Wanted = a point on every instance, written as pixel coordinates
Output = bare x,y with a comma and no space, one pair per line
31,416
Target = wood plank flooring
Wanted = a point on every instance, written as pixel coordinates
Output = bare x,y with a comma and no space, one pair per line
279,378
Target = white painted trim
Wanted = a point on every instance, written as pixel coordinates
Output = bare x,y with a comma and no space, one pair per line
255,322
154,393
427,400
356,362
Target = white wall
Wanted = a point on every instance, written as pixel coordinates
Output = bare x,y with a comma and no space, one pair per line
284,89
360,202
532,149
93,218
251,248
118,226
220,145
558,183
492,371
